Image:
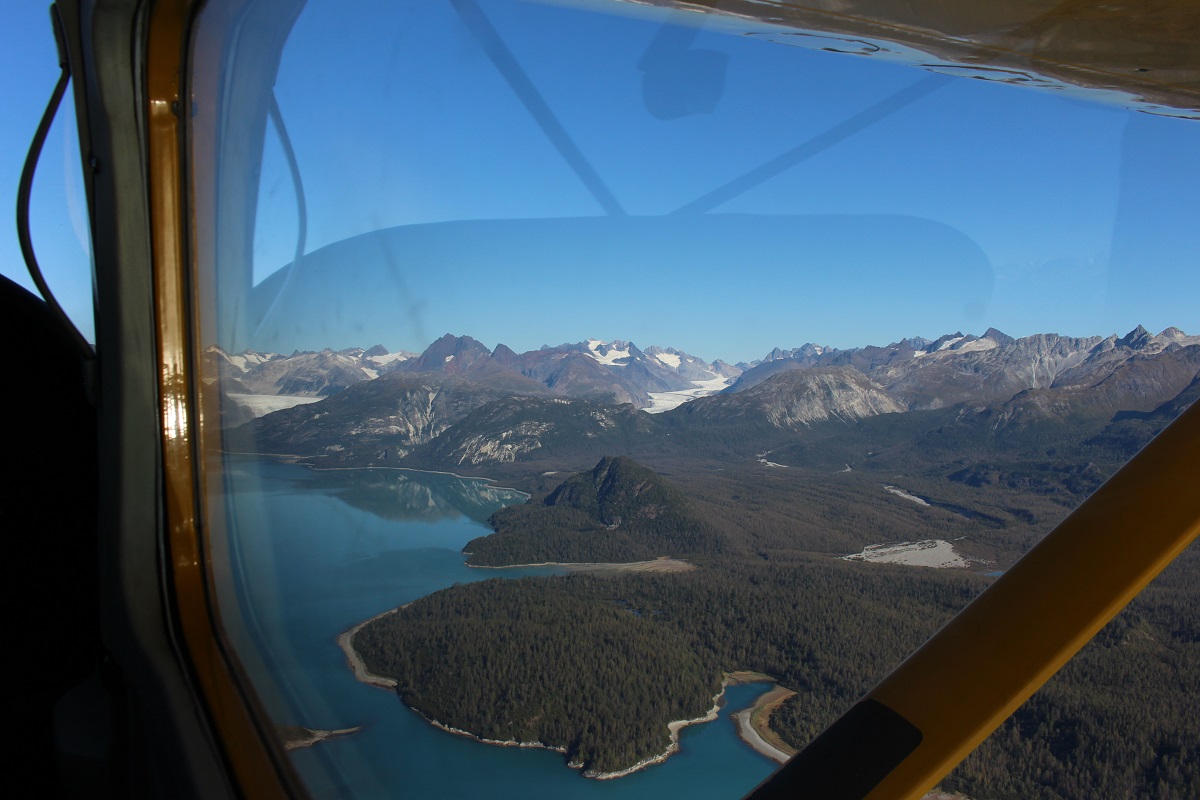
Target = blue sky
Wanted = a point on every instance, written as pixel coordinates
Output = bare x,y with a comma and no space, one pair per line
28,72
1064,216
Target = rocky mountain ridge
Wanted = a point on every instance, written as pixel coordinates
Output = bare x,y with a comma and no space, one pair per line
301,374
616,371
799,398
919,372
982,370
460,405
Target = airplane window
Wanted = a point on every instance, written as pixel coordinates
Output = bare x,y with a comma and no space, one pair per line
610,394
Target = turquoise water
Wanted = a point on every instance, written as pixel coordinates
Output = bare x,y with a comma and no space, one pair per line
311,554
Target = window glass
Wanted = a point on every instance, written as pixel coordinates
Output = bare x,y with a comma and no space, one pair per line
657,366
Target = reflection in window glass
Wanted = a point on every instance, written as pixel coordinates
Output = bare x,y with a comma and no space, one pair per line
594,369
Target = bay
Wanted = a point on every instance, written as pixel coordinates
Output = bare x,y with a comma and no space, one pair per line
307,554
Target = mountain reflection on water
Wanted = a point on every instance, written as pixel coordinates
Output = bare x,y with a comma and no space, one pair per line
401,494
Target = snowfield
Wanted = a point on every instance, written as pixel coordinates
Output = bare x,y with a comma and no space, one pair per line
936,553
670,359
247,359
665,401
610,359
976,346
259,405
388,359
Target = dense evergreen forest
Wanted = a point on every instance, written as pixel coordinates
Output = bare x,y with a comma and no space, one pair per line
539,661
1122,718
599,665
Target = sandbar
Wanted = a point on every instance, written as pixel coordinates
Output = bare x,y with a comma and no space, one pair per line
660,564
296,736
936,553
754,725
345,641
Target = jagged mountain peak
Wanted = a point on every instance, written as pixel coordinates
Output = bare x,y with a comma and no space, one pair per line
997,336
807,350
1136,339
503,354
451,354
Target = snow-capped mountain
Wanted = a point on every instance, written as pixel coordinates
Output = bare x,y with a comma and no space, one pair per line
459,404
1057,374
255,383
616,371
690,367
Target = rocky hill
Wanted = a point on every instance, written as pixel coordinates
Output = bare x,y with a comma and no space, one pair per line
619,511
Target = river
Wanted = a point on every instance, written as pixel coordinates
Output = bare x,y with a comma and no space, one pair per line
310,553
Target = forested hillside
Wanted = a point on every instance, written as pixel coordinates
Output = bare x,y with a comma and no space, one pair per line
617,511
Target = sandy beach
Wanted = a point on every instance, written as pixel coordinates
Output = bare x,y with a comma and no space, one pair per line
754,723
345,641
751,737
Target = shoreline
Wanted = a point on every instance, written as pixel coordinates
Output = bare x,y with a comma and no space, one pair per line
345,640
674,727
495,742
754,724
660,564
363,675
